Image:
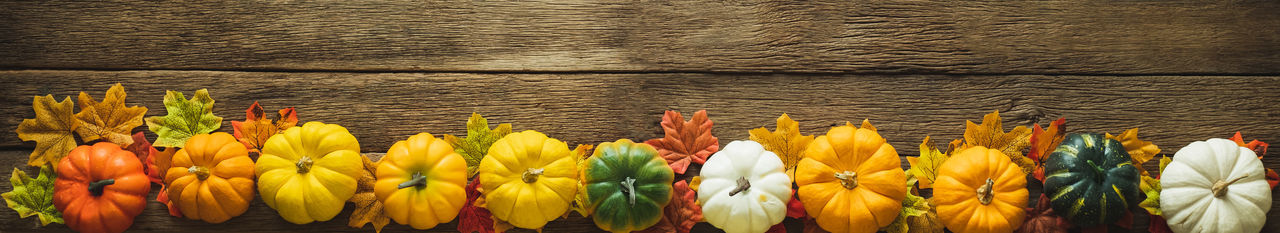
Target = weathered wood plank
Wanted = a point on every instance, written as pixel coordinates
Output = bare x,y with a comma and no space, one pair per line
380,108
900,36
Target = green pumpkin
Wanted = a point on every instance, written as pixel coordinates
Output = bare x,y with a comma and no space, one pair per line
1090,180
627,184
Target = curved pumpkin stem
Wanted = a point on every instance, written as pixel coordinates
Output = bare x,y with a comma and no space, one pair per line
96,187
418,180
743,185
202,173
848,178
984,192
1100,174
1220,188
304,164
629,188
531,175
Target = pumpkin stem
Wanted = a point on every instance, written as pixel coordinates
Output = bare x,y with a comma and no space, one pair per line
743,185
304,164
418,180
1100,174
629,188
531,175
1220,188
202,173
984,192
96,187
848,178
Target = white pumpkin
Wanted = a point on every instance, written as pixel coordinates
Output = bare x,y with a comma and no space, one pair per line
1215,186
744,188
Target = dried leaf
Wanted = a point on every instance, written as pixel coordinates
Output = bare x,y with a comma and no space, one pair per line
254,131
185,118
1150,187
471,218
33,196
681,213
990,134
912,206
580,201
109,120
1042,219
1259,148
1164,161
785,141
685,142
51,129
1141,151
368,208
160,161
479,138
925,167
1043,141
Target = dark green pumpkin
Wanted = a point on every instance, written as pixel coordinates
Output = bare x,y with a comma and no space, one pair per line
627,184
1091,180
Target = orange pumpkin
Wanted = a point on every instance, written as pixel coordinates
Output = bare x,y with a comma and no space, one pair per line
100,188
980,190
851,180
211,178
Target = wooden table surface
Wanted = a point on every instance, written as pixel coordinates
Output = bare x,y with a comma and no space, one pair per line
593,71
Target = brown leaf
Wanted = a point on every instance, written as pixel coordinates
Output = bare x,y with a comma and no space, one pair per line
368,208
686,142
990,134
1042,219
108,120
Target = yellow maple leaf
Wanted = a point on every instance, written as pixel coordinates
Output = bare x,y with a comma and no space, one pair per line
580,200
51,129
990,134
785,141
925,167
108,120
368,208
1140,151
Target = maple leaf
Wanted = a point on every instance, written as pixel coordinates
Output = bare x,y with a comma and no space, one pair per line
785,141
109,120
1140,151
1157,224
681,213
1150,187
912,206
159,162
479,138
473,218
685,142
1042,219
33,196
368,208
256,128
580,200
185,118
795,209
143,149
990,134
1043,141
925,167
51,129
1259,148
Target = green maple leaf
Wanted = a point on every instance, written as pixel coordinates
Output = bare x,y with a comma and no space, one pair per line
33,196
479,138
186,118
912,206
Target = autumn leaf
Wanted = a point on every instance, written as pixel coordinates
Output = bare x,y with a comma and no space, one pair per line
912,206
1150,187
990,134
777,228
254,131
51,129
1259,148
474,219
685,142
1157,224
1043,141
681,213
479,138
143,149
368,208
925,167
185,118
580,200
1141,151
108,120
795,209
1042,219
785,141
33,196
159,162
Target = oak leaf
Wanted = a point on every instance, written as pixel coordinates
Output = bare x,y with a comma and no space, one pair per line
254,131
51,129
474,219
685,142
1140,151
479,138
681,213
785,141
109,120
33,196
368,208
925,167
1043,141
186,117
990,134
1042,219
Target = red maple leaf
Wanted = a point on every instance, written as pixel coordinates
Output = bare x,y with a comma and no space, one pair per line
472,218
1043,142
1041,219
681,213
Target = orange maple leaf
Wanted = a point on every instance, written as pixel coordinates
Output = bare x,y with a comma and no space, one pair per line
686,142
256,129
1043,142
990,134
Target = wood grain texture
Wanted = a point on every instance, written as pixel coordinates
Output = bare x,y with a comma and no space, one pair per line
899,36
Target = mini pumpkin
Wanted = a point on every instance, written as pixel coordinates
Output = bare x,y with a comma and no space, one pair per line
744,188
420,182
980,190
529,179
1215,186
627,185
851,180
100,188
211,178
307,173
1091,180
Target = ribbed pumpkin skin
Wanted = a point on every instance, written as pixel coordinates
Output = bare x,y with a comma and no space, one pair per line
1188,182
955,192
441,195
320,192
528,204
114,210
1091,194
228,186
755,209
607,169
877,198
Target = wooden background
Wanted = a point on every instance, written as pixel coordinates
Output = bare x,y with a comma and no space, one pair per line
593,71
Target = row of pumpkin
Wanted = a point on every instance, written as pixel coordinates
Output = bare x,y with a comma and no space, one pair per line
847,180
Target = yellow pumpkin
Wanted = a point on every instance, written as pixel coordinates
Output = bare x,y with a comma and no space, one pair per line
851,180
420,182
307,173
211,178
528,179
980,190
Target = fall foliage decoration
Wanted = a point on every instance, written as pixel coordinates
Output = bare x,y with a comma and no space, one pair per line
108,120
1139,151
925,167
368,209
851,180
681,213
420,182
785,141
980,190
256,128
473,218
33,196
1042,219
628,185
1260,148
479,138
990,134
1043,141
51,130
186,117
211,177
100,188
685,142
